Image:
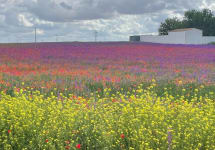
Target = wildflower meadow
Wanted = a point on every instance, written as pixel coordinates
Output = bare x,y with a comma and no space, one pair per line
107,96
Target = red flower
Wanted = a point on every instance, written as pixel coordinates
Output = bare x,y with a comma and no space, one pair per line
46,140
67,147
78,146
122,136
9,131
114,100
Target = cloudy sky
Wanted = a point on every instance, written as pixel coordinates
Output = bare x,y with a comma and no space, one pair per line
77,20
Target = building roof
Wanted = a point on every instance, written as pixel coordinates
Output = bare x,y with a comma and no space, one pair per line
184,29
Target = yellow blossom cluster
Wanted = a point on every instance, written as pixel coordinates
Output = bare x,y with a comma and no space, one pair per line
142,121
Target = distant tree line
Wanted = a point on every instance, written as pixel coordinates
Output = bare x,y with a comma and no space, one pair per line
200,19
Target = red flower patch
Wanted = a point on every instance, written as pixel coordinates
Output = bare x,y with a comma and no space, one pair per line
122,136
9,131
78,146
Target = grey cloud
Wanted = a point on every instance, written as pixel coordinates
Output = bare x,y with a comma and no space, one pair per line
68,10
139,7
65,5
11,18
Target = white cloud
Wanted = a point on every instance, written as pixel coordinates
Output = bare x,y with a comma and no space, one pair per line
40,32
23,20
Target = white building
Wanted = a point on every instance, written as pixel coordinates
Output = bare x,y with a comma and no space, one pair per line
179,36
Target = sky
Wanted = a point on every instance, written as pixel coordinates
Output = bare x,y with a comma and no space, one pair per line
80,20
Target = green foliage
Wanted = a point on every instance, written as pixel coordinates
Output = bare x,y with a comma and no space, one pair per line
204,20
170,24
213,43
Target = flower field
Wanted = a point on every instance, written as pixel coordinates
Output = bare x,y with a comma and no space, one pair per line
107,96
